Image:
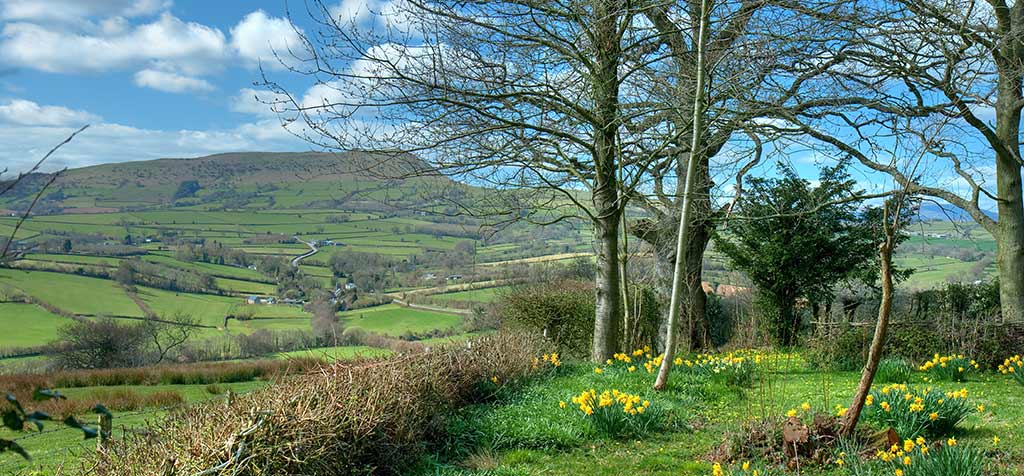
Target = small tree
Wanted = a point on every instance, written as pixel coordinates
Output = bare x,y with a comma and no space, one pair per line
795,241
168,334
101,343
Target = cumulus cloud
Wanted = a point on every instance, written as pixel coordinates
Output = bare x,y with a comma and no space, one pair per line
258,102
263,39
391,13
188,47
73,10
27,113
106,143
170,82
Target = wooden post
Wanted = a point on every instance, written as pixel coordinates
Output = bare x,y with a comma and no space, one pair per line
229,397
106,425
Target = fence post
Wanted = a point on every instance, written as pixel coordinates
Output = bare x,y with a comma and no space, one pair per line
106,425
229,398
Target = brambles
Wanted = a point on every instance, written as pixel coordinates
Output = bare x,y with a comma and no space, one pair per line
929,413
370,416
948,368
1014,367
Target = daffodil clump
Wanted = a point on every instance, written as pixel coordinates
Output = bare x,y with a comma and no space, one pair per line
547,361
613,412
739,469
1014,367
642,358
916,457
927,412
948,368
734,369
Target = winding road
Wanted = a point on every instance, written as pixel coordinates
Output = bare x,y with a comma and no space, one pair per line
312,251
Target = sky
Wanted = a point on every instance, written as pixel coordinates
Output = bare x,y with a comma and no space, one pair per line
152,78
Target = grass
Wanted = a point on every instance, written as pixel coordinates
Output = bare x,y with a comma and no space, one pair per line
28,325
76,294
337,353
394,320
527,434
476,295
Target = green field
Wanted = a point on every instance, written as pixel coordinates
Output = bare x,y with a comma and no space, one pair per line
336,353
475,295
75,294
394,320
28,325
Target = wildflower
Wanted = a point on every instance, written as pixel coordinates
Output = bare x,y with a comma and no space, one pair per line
805,406
906,461
951,442
839,462
746,466
791,413
716,470
494,379
981,408
561,404
598,370
898,472
995,441
933,416
632,368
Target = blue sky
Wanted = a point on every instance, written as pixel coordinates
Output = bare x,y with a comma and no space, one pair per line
174,78
154,78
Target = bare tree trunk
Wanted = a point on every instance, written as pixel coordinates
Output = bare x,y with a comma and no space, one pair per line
1009,233
881,327
608,314
608,309
687,201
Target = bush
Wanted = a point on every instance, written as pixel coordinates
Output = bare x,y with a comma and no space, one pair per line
563,311
928,413
101,343
847,349
346,418
894,370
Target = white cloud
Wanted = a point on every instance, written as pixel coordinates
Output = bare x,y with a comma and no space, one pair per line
108,143
170,82
72,10
259,38
258,102
392,13
27,113
168,42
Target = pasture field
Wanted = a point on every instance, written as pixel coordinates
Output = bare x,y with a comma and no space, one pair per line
75,294
27,325
484,295
336,353
394,320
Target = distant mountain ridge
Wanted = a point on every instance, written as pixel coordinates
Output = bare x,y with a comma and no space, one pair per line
248,167
946,212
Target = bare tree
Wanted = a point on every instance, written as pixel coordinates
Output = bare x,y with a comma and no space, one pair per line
957,65
524,97
168,334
